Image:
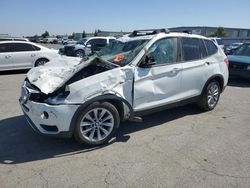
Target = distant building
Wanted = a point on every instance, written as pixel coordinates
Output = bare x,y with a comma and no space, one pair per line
233,34
101,33
111,33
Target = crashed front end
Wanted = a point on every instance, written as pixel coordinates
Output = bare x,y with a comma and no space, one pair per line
52,94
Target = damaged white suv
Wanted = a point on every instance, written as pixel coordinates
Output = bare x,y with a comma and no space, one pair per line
137,74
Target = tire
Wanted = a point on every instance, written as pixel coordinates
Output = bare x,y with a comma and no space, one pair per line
210,96
41,62
80,53
97,131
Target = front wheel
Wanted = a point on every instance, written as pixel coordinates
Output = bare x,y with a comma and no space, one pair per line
97,124
210,96
80,53
41,62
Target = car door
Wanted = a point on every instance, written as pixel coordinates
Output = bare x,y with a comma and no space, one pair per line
5,56
24,55
160,84
195,67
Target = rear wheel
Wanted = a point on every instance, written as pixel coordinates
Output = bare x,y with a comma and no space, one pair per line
210,96
97,124
40,62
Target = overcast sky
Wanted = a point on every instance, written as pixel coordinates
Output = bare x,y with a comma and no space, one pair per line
30,17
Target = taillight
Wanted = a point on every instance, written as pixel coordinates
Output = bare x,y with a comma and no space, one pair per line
226,62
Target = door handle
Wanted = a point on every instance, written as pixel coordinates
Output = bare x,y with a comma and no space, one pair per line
175,70
7,56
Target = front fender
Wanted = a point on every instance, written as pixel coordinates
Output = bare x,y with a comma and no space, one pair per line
100,98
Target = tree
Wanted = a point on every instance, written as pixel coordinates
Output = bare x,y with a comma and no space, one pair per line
96,33
83,34
219,33
45,34
72,36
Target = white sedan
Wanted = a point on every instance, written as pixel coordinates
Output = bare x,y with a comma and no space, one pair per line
24,55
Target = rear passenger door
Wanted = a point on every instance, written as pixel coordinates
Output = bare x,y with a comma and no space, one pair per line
24,55
195,67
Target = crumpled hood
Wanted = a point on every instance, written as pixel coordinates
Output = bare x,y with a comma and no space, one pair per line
54,74
240,59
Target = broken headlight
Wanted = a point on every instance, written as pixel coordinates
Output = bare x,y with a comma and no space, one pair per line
60,97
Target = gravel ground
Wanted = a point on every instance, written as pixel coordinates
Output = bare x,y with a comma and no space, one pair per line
181,147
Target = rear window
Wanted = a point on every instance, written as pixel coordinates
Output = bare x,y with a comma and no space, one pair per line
36,48
211,48
219,41
193,49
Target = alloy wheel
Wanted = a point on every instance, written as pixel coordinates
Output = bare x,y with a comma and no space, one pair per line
213,95
97,124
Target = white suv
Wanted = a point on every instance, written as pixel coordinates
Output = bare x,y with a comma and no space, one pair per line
24,55
137,74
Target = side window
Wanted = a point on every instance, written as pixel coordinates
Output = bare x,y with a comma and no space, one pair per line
192,49
22,47
5,39
4,48
164,51
211,48
101,42
111,40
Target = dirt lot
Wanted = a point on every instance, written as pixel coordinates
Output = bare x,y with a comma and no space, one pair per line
181,147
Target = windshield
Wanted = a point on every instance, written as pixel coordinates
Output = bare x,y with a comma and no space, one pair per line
244,50
120,52
82,41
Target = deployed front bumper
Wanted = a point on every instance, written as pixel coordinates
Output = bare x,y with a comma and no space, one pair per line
53,120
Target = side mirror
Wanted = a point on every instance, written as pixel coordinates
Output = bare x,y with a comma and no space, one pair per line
89,46
148,62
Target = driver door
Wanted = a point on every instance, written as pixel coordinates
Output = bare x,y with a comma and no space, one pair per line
160,83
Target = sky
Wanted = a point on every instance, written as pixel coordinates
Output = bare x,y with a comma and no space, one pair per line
30,17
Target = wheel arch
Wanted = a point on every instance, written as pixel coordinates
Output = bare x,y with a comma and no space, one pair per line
34,64
118,102
217,77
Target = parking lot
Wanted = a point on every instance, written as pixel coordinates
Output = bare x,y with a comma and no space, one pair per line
181,147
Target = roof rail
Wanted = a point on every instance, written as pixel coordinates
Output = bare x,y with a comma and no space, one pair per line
143,32
183,31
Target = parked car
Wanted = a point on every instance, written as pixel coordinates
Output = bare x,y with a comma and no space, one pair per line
89,98
219,42
13,39
24,55
86,46
239,62
231,48
52,40
68,41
